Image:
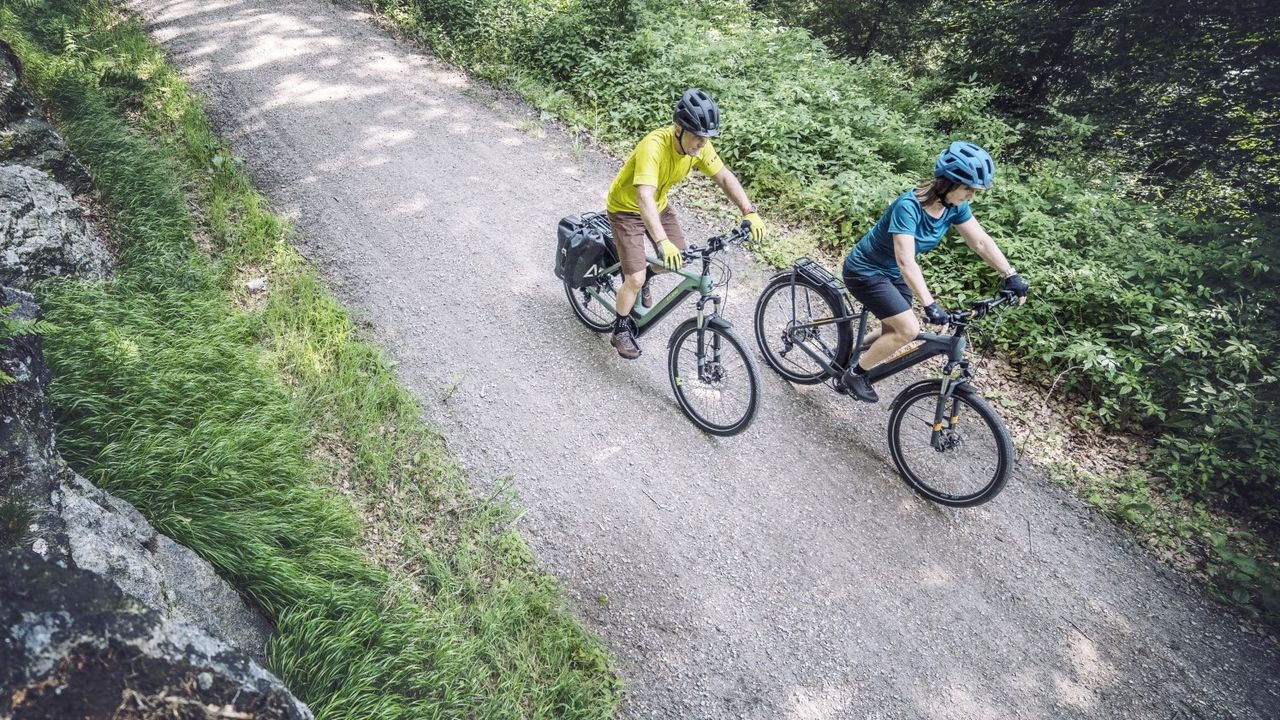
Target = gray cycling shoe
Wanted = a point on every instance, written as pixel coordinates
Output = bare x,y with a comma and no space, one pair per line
646,297
624,341
858,386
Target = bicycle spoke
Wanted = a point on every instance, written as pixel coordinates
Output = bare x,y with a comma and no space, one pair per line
718,394
718,398
917,415
963,462
784,320
817,340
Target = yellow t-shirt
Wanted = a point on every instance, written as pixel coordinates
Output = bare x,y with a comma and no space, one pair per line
656,162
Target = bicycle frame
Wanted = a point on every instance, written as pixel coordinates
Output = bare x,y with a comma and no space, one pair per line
691,282
932,345
953,346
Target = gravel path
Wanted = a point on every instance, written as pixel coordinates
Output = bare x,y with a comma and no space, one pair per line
782,573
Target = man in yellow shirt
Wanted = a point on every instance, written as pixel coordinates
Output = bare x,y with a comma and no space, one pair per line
638,206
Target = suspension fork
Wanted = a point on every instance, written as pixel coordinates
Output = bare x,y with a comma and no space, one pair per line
702,333
942,420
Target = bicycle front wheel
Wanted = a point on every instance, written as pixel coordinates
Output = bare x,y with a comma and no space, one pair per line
784,319
596,315
715,380
966,461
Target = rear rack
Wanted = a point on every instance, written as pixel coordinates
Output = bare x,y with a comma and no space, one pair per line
819,275
599,221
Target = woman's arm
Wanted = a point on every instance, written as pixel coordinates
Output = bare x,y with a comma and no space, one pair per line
904,250
980,242
978,239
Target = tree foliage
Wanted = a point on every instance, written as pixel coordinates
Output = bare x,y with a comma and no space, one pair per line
1179,86
858,28
1188,91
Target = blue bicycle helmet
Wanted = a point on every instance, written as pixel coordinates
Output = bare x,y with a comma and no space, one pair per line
698,113
967,164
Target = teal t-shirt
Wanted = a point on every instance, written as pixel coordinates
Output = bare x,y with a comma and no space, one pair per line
873,254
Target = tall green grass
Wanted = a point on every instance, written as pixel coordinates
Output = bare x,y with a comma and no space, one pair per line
272,441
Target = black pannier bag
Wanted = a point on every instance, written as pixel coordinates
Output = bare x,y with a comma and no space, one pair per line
569,224
583,241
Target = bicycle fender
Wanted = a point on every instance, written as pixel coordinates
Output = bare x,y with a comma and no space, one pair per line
708,321
962,388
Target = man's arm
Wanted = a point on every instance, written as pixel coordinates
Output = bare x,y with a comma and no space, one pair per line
646,198
728,183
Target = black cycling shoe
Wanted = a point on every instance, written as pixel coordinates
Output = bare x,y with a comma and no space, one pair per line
858,386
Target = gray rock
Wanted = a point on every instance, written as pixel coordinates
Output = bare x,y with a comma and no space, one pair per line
43,232
110,537
76,524
100,615
26,138
26,423
73,645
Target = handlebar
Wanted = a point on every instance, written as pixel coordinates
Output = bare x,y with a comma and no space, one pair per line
719,242
983,307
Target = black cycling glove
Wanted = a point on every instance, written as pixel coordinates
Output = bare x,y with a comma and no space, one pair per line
936,314
1016,285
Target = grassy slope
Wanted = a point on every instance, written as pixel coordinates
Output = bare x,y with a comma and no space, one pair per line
265,435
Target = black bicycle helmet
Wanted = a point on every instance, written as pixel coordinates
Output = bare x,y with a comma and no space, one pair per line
698,113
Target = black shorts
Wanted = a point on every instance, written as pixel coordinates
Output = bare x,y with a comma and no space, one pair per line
883,296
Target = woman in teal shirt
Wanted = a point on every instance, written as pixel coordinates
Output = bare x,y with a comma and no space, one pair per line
881,269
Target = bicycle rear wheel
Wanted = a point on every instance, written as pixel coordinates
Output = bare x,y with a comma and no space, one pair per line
716,382
782,312
972,456
597,316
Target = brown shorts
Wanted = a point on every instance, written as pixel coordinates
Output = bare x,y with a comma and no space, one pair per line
632,241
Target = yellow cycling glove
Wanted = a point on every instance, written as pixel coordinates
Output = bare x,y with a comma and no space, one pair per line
671,257
758,230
